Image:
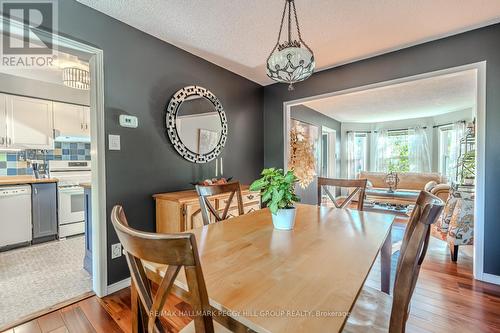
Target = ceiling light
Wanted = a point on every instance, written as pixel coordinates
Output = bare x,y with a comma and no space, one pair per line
76,78
291,61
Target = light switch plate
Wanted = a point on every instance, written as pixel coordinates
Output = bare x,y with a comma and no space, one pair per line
114,142
116,250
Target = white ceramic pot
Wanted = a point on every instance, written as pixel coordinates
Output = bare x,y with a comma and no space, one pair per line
284,219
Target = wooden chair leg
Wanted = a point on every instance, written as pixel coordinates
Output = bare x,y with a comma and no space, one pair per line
134,299
454,252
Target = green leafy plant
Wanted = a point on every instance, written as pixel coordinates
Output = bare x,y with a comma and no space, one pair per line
277,187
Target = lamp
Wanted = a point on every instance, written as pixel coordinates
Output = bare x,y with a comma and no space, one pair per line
76,78
291,61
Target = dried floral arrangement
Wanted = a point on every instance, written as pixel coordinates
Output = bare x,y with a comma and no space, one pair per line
302,160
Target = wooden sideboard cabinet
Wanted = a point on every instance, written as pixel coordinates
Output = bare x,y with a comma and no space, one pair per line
180,211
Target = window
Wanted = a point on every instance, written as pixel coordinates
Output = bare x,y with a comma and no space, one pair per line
360,154
397,151
445,151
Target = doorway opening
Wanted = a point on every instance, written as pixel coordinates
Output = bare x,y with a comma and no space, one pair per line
53,147
385,136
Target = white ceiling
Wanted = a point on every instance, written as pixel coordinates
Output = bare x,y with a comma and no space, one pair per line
239,34
413,99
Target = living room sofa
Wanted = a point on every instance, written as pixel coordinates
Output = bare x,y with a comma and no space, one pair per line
408,182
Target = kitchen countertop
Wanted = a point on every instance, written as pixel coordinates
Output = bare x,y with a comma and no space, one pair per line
18,180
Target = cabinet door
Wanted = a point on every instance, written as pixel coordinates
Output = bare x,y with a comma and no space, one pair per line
86,120
29,122
193,217
44,211
3,121
69,119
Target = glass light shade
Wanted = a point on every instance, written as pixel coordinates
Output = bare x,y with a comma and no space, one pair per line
76,78
290,65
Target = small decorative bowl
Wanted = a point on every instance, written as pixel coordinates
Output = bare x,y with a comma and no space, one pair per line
213,181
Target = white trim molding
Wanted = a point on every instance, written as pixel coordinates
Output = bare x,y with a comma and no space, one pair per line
480,67
490,278
112,288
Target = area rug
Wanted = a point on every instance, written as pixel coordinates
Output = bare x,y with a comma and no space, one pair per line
37,277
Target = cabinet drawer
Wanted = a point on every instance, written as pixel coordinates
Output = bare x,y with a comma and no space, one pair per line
251,207
247,208
253,198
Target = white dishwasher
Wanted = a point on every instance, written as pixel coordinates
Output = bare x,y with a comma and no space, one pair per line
15,222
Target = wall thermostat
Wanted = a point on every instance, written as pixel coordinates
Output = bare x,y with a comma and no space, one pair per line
128,121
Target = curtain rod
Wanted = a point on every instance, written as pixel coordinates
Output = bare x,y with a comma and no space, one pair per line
448,124
391,130
405,129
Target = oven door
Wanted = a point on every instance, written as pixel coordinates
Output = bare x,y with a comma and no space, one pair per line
71,204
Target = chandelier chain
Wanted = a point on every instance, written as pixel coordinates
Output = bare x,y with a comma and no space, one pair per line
298,28
279,33
289,21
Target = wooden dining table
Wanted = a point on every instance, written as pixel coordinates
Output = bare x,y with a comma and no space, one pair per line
304,280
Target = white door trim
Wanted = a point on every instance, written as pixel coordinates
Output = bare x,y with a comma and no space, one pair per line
478,268
97,153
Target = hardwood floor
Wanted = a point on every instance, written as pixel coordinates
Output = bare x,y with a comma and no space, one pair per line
446,299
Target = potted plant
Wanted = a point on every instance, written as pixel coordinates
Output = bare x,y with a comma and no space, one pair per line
278,192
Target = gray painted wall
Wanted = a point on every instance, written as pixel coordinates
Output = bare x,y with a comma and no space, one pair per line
303,113
470,47
311,116
141,73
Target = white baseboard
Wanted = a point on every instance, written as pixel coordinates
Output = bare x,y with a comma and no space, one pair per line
491,278
112,288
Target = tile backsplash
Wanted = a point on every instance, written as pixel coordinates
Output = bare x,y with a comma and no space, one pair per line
14,163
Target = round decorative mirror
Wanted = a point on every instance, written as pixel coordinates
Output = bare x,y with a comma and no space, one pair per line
196,124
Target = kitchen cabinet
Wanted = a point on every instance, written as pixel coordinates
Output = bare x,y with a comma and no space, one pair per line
71,120
87,260
180,211
3,121
29,122
44,212
86,119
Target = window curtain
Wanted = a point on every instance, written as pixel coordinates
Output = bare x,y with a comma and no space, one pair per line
457,133
381,153
351,156
418,150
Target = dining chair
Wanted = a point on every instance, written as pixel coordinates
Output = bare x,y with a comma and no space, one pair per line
207,209
357,186
374,310
176,251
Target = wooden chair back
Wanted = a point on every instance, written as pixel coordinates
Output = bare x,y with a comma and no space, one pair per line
412,253
174,250
359,186
206,191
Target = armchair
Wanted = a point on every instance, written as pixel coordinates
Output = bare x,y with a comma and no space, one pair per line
456,223
442,191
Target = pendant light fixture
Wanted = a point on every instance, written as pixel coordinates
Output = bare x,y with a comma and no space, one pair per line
291,61
76,78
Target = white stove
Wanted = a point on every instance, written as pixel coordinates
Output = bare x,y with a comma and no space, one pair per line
70,175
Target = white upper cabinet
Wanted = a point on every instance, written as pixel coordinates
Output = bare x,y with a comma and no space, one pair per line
3,121
29,122
71,120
